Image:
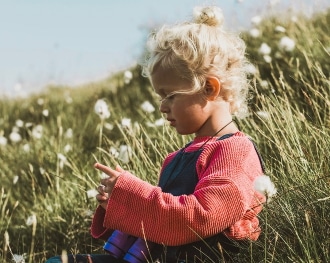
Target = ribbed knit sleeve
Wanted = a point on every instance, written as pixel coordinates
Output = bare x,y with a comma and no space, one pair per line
222,196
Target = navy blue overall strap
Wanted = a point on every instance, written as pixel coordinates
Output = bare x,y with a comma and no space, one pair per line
263,167
180,175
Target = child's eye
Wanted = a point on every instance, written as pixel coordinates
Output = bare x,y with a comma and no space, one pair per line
167,97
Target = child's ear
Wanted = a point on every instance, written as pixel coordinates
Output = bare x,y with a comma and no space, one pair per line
212,88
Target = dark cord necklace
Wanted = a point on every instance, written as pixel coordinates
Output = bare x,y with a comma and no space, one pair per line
215,134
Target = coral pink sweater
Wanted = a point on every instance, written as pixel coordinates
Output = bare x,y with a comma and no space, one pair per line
223,201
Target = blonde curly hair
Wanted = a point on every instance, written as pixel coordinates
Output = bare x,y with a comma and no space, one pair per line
200,49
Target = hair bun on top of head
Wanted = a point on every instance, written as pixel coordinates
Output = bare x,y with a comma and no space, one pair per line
209,15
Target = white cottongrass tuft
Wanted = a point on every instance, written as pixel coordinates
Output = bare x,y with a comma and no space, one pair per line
26,147
287,44
28,124
62,160
45,112
264,83
40,101
267,58
294,19
108,126
69,133
3,141
67,148
265,186
254,32
256,20
125,152
263,114
67,97
160,122
101,109
42,170
88,213
113,151
147,107
18,258
103,176
31,220
280,29
92,193
265,49
128,75
37,131
19,123
251,69
157,123
126,123
278,55
14,136
15,179
61,157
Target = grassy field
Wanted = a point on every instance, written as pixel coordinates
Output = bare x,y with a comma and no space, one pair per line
50,141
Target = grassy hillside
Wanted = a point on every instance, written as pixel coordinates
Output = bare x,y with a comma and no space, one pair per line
49,142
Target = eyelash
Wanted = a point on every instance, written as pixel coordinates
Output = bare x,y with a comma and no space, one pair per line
168,97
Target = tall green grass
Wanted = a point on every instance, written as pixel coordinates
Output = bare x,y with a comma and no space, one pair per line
45,206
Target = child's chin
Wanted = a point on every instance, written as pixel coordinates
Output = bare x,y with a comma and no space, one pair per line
181,132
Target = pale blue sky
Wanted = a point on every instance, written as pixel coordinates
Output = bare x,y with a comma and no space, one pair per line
76,41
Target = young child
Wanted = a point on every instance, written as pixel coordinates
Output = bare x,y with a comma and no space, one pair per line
205,204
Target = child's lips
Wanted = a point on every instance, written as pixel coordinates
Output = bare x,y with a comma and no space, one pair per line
171,121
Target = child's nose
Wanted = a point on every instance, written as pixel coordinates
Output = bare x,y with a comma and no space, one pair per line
164,107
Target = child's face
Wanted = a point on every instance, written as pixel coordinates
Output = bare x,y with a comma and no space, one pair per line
187,113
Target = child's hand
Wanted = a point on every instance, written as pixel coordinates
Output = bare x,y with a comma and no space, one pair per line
107,184
102,197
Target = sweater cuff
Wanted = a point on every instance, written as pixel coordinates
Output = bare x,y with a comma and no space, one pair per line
120,206
97,229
